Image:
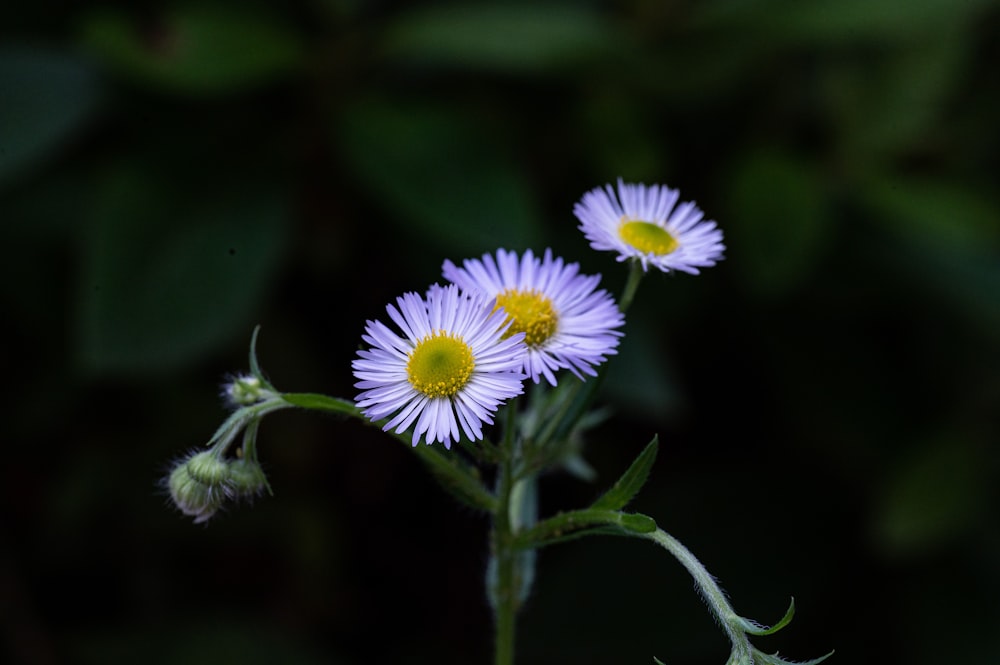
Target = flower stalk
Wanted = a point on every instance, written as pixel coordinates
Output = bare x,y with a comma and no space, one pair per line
504,593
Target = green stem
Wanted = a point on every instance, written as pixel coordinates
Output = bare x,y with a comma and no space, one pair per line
250,440
506,587
573,408
227,432
456,477
711,592
557,422
635,275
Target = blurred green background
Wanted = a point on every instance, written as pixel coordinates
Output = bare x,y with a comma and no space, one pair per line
172,174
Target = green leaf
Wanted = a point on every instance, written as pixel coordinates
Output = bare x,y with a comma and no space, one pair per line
568,410
755,628
254,365
774,659
778,225
172,271
637,523
631,481
501,37
195,48
443,179
558,527
47,96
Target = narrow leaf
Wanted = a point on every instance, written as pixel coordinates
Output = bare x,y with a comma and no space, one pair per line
631,481
557,527
254,365
774,659
572,413
755,628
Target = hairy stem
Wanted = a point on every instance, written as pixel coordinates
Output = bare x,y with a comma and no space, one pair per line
710,591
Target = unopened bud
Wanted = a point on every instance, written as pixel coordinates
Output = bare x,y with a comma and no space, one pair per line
208,468
246,480
197,485
245,390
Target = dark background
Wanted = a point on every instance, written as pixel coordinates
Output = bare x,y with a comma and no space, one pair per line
827,397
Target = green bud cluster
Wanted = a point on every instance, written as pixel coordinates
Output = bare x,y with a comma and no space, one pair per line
200,484
246,390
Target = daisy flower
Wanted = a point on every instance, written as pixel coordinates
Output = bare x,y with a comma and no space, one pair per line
453,365
645,223
566,322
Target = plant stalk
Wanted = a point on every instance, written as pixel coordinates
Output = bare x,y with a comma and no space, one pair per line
506,596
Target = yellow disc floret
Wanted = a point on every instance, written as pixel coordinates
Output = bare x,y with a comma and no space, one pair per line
647,237
440,365
529,312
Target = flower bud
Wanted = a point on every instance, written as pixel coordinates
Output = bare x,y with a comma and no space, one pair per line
246,480
197,485
245,390
207,468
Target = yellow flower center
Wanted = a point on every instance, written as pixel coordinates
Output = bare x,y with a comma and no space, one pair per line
440,365
647,237
529,312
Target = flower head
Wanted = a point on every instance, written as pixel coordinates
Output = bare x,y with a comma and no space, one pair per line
452,366
197,484
566,321
646,224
